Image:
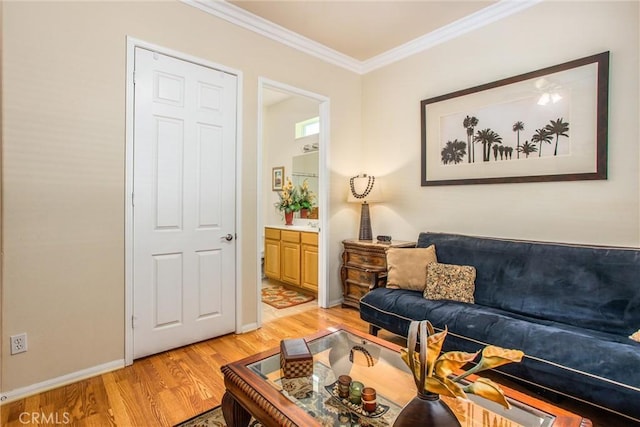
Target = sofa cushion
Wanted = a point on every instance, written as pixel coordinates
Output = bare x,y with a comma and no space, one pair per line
406,267
450,282
594,287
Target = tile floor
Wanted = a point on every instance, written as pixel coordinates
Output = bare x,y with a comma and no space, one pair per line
271,313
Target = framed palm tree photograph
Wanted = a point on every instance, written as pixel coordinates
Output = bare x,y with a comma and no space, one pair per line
545,125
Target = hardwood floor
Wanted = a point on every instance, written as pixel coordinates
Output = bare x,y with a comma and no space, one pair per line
170,387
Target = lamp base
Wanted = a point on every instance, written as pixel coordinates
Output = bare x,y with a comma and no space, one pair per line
365,223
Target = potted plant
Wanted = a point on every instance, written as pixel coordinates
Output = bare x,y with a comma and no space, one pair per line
435,372
289,201
306,199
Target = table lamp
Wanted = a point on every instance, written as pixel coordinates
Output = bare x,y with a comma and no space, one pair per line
364,189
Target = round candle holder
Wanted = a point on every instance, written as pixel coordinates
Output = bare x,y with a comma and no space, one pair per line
369,399
355,392
344,382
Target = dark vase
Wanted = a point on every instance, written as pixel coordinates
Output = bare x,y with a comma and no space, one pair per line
288,218
426,409
304,213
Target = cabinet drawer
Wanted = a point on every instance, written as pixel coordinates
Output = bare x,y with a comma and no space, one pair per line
360,276
355,291
290,236
367,260
309,238
272,233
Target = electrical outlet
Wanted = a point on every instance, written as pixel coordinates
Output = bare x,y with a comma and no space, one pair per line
19,343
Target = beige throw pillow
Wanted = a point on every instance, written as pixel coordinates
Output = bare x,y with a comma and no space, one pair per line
635,336
450,282
406,267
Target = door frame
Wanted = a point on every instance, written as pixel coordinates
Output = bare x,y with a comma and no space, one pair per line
132,43
323,190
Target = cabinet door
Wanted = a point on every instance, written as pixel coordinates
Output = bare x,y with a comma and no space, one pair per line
272,259
310,267
290,266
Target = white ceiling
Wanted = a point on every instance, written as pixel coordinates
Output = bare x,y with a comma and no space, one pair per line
362,29
361,35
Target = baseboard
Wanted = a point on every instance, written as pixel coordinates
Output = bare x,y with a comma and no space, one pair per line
336,302
40,387
248,328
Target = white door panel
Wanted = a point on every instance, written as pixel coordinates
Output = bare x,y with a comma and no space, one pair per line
184,203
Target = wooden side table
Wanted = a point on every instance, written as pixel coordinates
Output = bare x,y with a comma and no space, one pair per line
364,264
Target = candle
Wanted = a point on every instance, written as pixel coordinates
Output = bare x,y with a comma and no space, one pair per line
344,381
355,392
369,399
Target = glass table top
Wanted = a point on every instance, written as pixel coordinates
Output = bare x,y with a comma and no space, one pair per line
343,353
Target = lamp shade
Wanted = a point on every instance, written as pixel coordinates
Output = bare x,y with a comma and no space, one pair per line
364,188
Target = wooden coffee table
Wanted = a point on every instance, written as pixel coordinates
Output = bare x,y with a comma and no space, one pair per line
254,387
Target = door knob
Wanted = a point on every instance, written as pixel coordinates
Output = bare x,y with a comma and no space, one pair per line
228,237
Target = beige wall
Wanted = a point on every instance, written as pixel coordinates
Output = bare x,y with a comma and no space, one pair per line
63,174
600,212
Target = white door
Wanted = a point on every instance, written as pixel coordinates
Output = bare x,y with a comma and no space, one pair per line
184,203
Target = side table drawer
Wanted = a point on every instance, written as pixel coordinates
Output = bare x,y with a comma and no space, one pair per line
368,260
355,291
357,282
362,277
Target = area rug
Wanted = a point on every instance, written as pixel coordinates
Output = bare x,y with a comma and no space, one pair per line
280,297
211,418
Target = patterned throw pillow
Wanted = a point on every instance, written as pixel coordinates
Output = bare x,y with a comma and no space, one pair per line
635,336
450,282
406,266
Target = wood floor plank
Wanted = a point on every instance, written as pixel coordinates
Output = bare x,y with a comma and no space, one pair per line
10,412
118,410
136,408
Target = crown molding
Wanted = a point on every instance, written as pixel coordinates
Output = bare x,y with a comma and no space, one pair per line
476,20
248,20
241,17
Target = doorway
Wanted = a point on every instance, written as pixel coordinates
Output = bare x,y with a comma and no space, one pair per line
294,153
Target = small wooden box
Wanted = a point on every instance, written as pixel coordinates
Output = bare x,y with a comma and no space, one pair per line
295,358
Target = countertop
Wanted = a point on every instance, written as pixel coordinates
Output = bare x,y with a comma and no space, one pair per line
294,227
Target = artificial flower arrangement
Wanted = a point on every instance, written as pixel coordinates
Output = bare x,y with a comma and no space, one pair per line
437,377
293,199
289,198
306,196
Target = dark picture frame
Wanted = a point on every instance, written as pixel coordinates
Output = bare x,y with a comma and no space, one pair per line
546,125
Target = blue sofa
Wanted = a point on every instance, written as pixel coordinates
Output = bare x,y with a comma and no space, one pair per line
570,309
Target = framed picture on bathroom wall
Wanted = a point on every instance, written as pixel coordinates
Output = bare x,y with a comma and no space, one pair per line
545,125
277,178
